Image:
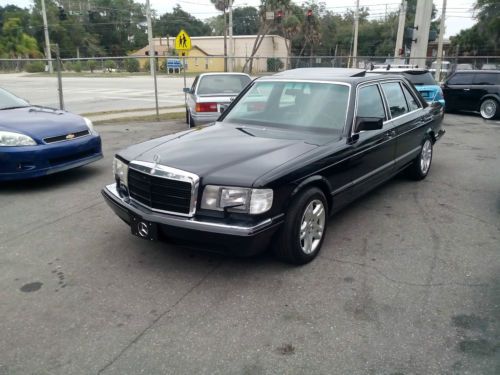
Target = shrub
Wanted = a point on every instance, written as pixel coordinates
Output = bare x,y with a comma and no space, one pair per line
77,66
132,65
274,64
110,65
92,64
146,66
35,67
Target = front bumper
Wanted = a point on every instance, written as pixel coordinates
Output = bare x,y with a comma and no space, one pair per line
208,234
25,162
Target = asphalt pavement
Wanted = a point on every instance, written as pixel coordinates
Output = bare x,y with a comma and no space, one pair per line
407,282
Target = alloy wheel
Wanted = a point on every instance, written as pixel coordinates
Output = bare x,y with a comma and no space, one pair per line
488,108
312,226
426,157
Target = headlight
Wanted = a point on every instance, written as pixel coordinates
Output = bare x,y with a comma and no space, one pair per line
15,139
234,199
120,171
89,125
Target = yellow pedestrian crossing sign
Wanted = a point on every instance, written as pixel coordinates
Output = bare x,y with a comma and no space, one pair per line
182,41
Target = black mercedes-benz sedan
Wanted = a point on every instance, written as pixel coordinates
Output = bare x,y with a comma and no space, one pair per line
289,151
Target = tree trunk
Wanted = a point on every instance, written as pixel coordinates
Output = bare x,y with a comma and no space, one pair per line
258,41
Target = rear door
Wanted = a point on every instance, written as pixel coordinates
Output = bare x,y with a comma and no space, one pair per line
408,126
482,84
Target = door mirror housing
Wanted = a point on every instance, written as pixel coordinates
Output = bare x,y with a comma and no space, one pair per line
368,123
187,90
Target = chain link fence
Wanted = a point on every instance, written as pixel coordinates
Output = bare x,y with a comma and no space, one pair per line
71,87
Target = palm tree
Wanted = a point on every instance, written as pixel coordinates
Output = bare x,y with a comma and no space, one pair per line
223,5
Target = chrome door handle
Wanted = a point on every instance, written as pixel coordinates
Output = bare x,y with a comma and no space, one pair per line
466,89
390,133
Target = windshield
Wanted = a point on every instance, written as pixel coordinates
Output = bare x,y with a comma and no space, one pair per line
8,100
421,79
222,84
293,105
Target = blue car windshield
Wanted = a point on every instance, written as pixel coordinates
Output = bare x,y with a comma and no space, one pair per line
10,101
312,106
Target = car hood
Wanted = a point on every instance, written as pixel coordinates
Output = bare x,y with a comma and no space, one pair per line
226,153
40,123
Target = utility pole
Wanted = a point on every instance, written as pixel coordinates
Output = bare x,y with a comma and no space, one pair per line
401,29
356,27
422,25
152,59
440,43
47,40
231,41
150,40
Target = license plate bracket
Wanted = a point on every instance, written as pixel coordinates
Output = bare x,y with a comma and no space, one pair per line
143,228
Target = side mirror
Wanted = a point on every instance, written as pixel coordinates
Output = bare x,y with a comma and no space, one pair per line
368,123
187,90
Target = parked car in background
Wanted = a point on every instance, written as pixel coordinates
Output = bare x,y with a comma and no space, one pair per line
464,67
292,149
36,141
210,94
445,68
473,90
489,67
422,79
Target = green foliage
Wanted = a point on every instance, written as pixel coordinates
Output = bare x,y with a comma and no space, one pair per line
245,22
109,65
132,65
14,42
172,23
91,65
35,67
274,64
77,66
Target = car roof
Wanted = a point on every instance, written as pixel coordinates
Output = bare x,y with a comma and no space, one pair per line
476,71
327,74
224,74
399,70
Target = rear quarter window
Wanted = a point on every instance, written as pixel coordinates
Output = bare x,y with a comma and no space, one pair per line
461,79
487,79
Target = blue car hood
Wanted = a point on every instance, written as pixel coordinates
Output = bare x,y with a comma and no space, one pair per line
39,123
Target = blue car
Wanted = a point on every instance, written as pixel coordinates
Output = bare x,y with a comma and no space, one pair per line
36,141
422,79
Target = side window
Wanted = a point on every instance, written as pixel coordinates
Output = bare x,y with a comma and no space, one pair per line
487,79
461,79
395,99
370,102
410,99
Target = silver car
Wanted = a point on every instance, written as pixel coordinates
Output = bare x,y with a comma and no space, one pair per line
210,95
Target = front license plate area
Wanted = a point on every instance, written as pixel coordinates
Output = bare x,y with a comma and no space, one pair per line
143,228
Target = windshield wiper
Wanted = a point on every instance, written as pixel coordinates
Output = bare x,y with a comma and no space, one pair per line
14,107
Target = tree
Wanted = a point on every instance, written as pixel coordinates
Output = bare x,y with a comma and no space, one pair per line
14,43
245,22
171,23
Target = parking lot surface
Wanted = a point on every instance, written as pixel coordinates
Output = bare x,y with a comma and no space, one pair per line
407,282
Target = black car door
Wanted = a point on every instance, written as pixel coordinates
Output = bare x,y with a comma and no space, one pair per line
408,126
372,159
457,90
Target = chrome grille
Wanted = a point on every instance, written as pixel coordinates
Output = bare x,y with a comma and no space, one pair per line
66,137
162,188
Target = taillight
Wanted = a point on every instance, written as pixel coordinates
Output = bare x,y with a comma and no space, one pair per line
206,107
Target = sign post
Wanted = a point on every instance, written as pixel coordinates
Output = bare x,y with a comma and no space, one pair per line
183,46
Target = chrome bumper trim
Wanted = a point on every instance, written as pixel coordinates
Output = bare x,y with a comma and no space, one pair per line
111,193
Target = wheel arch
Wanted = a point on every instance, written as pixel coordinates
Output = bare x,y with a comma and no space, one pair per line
319,182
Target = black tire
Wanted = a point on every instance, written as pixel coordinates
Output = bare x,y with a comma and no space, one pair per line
418,170
288,246
489,109
187,116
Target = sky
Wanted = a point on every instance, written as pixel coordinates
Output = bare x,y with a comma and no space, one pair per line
459,12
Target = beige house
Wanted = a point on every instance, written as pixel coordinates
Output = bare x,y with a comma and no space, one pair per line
212,47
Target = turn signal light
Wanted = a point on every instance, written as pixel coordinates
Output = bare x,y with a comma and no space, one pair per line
206,107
